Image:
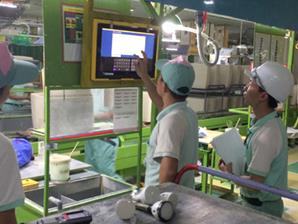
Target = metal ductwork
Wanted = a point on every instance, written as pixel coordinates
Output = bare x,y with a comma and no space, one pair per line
10,11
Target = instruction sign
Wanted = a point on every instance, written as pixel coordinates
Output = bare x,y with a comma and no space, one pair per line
72,33
125,116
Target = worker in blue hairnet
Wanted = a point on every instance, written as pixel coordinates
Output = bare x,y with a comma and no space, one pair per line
266,144
12,72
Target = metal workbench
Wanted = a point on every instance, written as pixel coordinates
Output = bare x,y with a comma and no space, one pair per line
193,207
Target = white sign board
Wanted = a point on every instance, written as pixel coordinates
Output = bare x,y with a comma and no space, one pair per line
125,116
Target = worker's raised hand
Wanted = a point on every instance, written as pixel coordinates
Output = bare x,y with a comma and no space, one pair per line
141,65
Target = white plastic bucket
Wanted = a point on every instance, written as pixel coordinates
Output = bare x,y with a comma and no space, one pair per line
228,129
59,167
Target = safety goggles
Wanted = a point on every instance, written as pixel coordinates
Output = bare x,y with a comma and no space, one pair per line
254,75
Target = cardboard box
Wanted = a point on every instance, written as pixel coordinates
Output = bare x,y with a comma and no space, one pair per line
207,104
211,75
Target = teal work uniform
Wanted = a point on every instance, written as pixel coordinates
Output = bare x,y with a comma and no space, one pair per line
175,135
267,156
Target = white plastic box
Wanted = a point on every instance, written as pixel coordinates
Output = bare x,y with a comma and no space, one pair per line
211,75
236,74
208,104
244,77
236,101
71,112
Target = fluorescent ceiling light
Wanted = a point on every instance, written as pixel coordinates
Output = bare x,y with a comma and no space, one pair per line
171,49
169,27
208,2
8,5
170,40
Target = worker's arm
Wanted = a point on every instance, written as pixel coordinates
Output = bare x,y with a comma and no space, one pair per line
228,168
8,217
15,97
104,116
256,178
168,169
142,71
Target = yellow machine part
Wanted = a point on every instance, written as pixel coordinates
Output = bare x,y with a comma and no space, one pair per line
29,184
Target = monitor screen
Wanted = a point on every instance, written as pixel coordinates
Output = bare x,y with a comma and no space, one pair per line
117,48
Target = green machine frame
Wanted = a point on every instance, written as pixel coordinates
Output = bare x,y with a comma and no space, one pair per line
60,75
64,76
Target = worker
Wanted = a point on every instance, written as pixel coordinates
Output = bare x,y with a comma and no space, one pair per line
174,140
12,72
266,144
16,101
101,153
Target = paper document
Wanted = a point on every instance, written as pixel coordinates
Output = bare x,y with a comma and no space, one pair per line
231,149
125,111
292,132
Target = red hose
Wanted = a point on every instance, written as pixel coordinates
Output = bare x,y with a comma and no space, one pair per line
183,170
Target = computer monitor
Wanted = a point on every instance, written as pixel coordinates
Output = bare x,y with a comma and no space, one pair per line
115,48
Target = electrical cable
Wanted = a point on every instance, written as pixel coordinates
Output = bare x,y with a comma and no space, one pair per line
199,37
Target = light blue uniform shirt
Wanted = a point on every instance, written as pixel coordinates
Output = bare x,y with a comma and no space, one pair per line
267,156
175,135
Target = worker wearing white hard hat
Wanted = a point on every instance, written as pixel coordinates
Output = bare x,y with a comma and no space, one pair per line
266,143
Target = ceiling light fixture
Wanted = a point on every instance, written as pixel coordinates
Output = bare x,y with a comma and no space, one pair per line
171,49
208,2
8,5
169,40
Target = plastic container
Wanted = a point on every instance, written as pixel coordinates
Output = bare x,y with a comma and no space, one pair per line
228,129
59,167
71,112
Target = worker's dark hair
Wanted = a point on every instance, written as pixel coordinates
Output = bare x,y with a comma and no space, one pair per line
272,103
1,90
176,96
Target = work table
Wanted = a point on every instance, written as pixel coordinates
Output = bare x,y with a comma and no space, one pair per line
193,207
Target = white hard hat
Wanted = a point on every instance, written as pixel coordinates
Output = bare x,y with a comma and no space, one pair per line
275,79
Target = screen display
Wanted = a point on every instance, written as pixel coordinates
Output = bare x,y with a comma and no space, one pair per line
117,50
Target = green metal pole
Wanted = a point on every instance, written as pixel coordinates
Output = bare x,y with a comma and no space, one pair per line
204,180
249,117
290,65
172,13
161,10
260,28
140,125
150,8
154,110
211,177
47,151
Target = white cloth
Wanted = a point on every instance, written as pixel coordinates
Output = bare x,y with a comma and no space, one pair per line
11,191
